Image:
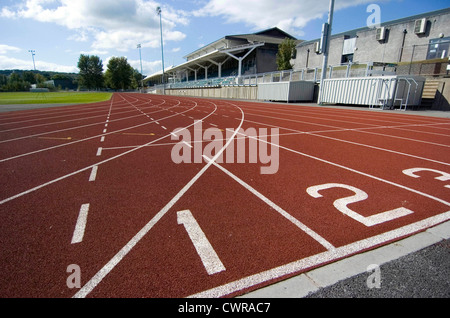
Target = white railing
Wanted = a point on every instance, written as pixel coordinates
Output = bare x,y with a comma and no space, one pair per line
305,74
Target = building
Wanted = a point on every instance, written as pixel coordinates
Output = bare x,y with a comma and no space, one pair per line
230,56
244,66
417,38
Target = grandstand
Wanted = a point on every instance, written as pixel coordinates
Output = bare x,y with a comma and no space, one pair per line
225,62
411,53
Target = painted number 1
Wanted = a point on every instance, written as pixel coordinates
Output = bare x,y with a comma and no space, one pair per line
204,249
360,195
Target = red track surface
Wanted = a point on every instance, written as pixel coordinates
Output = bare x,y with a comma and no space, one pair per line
262,227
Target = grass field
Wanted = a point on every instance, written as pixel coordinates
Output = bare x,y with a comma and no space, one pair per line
53,97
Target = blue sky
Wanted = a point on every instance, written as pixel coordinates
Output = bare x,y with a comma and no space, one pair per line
60,30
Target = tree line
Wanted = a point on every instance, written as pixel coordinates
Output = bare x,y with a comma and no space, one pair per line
119,75
19,80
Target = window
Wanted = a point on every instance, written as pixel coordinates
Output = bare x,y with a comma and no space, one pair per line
438,48
348,49
348,58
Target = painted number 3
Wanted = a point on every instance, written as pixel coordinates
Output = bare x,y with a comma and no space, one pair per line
360,195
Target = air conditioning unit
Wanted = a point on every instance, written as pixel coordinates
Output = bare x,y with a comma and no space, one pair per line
420,26
381,34
317,47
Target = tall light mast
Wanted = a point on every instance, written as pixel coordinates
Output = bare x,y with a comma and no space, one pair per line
158,11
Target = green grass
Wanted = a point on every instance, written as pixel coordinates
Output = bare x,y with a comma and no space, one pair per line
53,97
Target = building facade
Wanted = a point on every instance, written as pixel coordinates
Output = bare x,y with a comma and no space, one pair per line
416,38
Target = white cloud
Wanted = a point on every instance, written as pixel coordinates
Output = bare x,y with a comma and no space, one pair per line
112,24
8,48
94,52
289,15
147,67
10,63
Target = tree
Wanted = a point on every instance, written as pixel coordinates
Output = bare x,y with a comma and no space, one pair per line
29,77
119,73
16,84
285,53
39,78
91,71
136,80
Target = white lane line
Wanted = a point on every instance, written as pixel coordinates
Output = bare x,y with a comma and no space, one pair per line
78,234
207,254
189,145
77,127
321,258
43,185
364,130
318,132
82,140
163,127
43,117
105,130
102,139
399,119
98,277
351,169
93,175
277,208
99,151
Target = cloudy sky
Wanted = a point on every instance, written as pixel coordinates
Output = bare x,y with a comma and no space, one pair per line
60,30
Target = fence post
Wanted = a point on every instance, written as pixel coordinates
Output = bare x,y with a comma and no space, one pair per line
412,56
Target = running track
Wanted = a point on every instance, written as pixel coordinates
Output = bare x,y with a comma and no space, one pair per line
94,187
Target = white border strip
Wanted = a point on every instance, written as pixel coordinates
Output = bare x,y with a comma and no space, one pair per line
321,258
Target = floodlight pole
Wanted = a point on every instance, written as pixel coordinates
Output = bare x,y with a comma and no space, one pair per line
158,10
32,55
140,59
325,41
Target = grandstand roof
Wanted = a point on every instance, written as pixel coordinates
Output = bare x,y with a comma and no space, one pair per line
220,49
272,36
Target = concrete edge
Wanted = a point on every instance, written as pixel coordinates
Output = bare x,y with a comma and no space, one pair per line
328,275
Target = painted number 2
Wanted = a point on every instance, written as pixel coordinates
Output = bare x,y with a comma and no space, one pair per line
360,195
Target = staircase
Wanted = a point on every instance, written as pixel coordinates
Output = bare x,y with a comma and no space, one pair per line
429,92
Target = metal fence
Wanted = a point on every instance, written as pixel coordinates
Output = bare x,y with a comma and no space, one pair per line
428,60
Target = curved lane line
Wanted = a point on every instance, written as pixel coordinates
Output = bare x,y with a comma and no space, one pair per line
108,267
